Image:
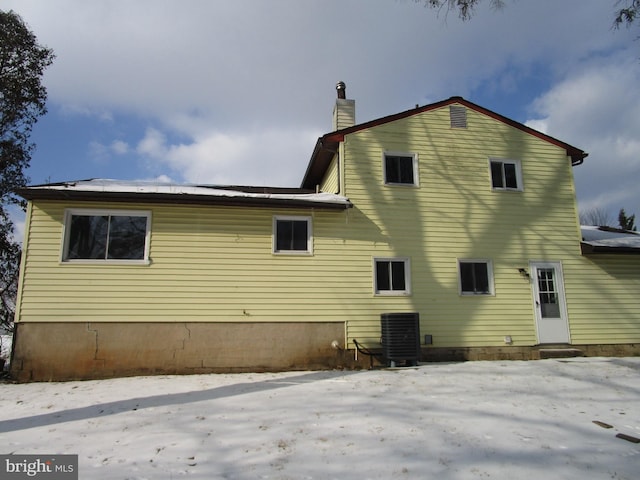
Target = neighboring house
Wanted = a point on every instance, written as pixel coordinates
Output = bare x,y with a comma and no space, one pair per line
449,210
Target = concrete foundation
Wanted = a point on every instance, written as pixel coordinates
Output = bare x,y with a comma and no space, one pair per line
535,352
79,351
76,351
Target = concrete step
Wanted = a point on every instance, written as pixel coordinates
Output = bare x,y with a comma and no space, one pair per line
559,353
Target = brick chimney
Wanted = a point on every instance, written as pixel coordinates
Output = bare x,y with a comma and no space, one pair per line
344,113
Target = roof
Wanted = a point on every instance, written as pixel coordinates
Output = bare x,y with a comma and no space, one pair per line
327,145
156,192
609,240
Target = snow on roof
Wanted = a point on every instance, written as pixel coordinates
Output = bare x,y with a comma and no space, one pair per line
138,187
609,237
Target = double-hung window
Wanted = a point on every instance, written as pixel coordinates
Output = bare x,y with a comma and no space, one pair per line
505,175
475,277
392,276
106,236
292,235
400,168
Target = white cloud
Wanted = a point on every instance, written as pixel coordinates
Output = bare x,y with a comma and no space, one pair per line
541,125
238,62
153,144
273,157
119,147
161,179
597,108
102,154
17,217
235,91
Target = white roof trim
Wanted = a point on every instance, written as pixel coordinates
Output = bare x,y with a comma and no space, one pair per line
144,187
597,237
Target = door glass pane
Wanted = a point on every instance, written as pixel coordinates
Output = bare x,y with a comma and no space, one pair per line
547,295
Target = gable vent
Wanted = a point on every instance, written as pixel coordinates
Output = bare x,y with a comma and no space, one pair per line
458,116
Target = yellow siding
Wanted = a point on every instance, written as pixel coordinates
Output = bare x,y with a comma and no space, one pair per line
454,214
603,296
330,182
207,264
215,263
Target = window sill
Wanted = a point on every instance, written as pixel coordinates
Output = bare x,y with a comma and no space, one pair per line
409,185
392,294
107,262
516,190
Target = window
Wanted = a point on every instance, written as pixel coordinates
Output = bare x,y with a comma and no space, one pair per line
400,169
106,235
505,175
292,235
476,277
392,276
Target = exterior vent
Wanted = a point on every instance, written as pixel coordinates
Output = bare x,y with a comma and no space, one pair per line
458,116
401,337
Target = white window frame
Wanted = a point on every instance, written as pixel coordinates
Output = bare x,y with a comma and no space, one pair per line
66,231
414,158
299,218
490,278
407,277
518,167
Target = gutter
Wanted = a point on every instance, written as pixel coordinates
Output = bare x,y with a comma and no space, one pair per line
590,249
181,199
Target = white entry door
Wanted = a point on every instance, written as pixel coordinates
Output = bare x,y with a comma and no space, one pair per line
549,302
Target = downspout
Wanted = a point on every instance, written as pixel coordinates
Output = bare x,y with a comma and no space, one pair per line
338,170
578,159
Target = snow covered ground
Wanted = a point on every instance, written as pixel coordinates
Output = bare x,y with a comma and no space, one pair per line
5,347
502,420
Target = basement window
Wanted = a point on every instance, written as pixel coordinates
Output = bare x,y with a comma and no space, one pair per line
292,235
106,236
506,175
400,168
475,277
392,276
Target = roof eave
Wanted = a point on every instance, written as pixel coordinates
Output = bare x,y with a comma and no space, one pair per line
175,199
309,181
589,249
325,149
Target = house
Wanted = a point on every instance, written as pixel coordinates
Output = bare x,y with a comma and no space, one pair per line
450,216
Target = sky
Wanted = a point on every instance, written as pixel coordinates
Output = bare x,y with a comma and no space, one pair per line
220,92
516,420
